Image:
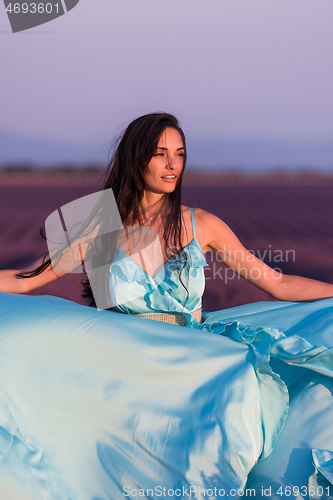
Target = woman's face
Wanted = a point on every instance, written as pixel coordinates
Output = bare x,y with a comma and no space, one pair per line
166,164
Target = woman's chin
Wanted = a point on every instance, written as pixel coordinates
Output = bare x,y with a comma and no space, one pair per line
166,188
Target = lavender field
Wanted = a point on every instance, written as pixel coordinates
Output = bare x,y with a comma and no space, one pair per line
289,226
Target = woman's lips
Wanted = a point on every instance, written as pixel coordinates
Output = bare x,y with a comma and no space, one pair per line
169,178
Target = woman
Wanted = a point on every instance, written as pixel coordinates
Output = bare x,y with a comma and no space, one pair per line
102,404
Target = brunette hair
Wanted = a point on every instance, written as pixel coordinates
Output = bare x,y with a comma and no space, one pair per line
132,151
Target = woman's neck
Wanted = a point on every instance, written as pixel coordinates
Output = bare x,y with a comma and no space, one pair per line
153,205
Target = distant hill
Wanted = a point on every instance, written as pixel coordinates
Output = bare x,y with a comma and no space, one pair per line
17,150
234,153
259,154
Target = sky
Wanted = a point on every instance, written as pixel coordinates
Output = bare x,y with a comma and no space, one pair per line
249,80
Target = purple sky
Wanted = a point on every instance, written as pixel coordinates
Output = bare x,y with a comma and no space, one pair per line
228,69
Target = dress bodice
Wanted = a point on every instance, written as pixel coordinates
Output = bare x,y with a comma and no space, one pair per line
134,291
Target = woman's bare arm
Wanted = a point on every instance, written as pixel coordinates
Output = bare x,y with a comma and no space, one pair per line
299,289
66,262
11,283
217,237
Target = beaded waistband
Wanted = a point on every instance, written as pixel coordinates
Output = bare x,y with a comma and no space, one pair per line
172,318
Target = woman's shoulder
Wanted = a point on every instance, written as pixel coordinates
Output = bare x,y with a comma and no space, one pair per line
207,222
207,226
199,214
203,219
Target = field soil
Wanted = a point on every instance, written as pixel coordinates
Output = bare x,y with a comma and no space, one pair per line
287,223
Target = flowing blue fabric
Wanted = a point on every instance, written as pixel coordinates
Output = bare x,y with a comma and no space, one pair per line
98,405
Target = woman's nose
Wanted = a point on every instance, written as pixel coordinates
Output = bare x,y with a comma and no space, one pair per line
171,162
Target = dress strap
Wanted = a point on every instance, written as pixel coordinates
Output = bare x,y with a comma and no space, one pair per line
193,222
127,241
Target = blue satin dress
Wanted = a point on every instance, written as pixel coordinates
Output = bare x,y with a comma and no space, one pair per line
98,405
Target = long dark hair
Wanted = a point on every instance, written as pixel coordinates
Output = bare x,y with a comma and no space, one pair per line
132,151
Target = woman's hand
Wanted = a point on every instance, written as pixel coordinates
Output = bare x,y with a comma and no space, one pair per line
11,283
214,235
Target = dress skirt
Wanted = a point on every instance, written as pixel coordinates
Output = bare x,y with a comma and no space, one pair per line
98,405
